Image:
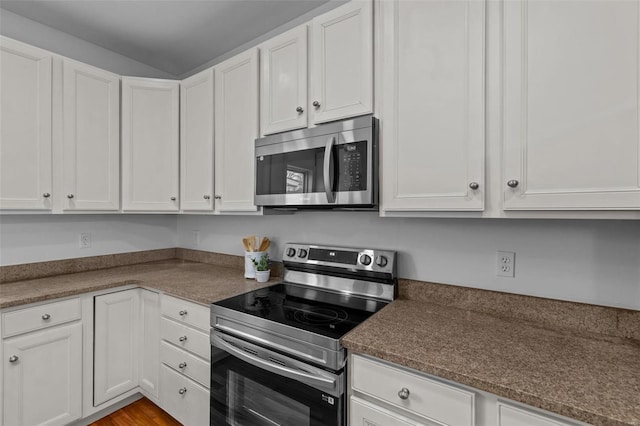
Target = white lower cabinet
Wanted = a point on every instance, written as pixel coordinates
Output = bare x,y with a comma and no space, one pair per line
184,399
185,354
385,394
116,341
404,392
42,369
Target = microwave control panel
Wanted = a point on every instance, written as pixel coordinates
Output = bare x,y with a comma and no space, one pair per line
352,166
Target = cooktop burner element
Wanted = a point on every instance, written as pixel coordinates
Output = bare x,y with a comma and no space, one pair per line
321,315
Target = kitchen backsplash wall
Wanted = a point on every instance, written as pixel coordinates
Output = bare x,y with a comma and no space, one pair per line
38,238
586,261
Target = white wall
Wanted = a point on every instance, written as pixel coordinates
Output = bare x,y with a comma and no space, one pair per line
585,261
36,238
37,34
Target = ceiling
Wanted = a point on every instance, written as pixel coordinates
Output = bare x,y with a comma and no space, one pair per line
174,36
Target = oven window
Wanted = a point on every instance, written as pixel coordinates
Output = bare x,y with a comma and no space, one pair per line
296,172
245,395
252,404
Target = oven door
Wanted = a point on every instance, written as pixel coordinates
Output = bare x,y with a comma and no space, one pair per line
253,386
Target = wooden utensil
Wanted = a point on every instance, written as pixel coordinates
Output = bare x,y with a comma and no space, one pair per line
264,245
245,243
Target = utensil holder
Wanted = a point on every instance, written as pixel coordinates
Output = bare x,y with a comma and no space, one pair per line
249,267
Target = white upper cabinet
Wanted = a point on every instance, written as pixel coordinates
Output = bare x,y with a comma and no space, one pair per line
150,144
91,138
196,142
283,89
25,126
236,128
432,142
571,117
342,62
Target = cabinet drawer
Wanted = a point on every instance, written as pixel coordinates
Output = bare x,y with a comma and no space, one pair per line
186,363
364,413
186,338
437,401
185,312
515,416
41,316
184,399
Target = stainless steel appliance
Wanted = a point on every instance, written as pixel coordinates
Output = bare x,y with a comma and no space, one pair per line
276,352
332,165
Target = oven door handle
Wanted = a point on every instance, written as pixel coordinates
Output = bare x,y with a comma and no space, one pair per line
309,379
328,181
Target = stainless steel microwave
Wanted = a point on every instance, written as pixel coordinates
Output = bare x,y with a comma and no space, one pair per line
333,165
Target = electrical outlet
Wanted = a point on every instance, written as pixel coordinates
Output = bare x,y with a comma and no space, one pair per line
85,240
196,238
505,264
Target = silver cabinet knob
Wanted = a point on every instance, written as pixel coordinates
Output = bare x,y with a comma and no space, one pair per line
182,391
513,183
403,393
69,196
182,313
46,195
173,198
218,197
46,317
316,104
474,185
183,338
299,110
13,359
182,365
206,197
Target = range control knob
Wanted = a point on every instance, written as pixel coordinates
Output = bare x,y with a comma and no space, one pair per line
302,253
365,259
381,261
291,252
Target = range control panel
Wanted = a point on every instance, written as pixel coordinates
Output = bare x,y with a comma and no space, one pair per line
348,258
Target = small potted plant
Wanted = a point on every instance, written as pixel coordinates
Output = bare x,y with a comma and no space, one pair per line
262,268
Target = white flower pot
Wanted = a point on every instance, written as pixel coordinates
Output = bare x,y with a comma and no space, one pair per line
262,276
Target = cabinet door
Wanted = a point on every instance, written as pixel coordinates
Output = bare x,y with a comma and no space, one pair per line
91,153
433,113
283,92
43,377
342,67
149,342
25,126
196,142
236,118
150,145
116,343
571,116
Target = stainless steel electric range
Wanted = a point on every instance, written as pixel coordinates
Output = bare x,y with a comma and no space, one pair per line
276,352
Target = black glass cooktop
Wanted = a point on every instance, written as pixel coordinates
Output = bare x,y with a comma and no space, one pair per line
329,314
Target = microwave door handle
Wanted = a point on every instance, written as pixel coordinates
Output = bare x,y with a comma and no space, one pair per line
307,378
328,181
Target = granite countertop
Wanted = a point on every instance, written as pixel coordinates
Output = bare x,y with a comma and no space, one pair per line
589,377
199,282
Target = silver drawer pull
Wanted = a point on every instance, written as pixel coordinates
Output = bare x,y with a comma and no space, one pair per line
182,365
182,313
13,359
182,391
183,339
404,393
46,317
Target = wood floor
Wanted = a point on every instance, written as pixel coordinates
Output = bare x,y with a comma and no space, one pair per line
141,413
